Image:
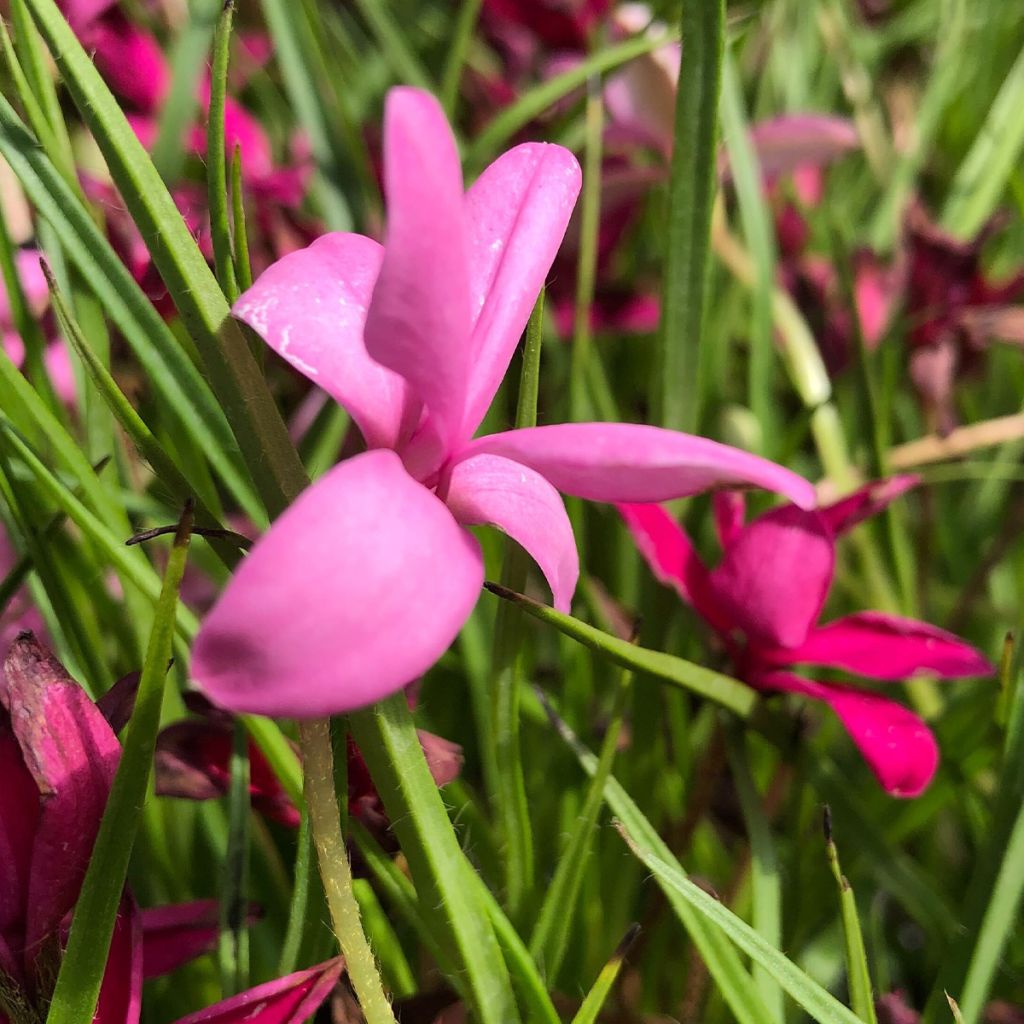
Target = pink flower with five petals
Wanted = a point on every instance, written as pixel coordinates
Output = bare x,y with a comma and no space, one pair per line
364,582
764,600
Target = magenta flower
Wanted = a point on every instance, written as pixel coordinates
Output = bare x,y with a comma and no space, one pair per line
363,583
764,600
58,755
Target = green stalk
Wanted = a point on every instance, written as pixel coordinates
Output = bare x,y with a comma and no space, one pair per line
92,926
511,806
465,22
216,160
692,185
336,872
233,943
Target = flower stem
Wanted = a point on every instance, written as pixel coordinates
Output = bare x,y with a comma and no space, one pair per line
336,872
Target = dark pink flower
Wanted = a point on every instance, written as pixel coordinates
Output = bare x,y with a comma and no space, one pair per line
367,578
764,600
58,755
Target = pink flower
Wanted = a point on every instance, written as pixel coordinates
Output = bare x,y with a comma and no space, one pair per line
764,600
363,583
58,755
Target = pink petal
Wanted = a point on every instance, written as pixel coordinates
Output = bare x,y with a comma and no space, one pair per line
19,818
357,589
775,576
496,491
419,319
730,510
310,308
517,213
130,61
174,934
289,1000
866,501
888,647
899,748
120,998
630,462
672,558
72,755
785,142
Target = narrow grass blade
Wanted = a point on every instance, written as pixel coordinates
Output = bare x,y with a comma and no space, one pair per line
692,185
234,374
598,995
188,57
298,906
392,41
862,997
729,693
550,935
279,752
538,99
81,970
511,807
233,942
462,35
185,394
216,158
723,962
989,914
442,875
394,964
760,236
982,178
766,884
243,268
129,565
824,1008
307,102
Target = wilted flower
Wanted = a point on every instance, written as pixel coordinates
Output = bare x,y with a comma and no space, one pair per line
361,585
765,597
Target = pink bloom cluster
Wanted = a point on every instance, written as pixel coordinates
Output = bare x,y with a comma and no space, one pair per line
361,585
764,600
58,755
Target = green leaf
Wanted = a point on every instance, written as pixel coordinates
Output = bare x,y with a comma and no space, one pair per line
981,179
298,906
824,1008
233,941
465,22
216,158
85,959
443,877
692,185
723,962
558,911
862,996
234,374
766,884
186,395
729,693
404,63
597,996
535,101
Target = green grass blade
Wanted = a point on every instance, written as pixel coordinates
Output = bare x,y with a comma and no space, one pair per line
392,41
729,693
511,806
766,884
243,268
760,236
84,962
598,995
982,178
824,1008
186,395
298,906
307,101
216,158
737,986
692,184
551,932
234,374
454,65
188,57
862,996
233,941
535,101
442,875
